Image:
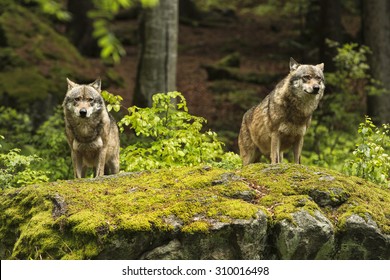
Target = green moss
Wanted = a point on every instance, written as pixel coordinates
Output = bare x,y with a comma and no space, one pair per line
180,200
196,227
34,39
38,233
86,222
35,58
24,84
289,188
139,202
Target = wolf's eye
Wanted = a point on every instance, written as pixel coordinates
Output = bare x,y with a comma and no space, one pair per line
307,77
90,99
77,99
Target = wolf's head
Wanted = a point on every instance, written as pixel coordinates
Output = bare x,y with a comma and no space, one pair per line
307,79
83,100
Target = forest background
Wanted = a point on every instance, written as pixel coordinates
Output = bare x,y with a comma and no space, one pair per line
223,56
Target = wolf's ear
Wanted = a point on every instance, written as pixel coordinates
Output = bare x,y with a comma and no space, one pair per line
97,84
293,64
71,84
320,66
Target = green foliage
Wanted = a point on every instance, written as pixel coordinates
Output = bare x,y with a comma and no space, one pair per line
371,160
46,150
15,126
348,86
17,170
51,145
114,101
170,136
53,8
111,47
332,133
102,15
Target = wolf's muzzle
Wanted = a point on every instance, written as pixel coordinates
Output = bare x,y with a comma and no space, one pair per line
316,89
83,112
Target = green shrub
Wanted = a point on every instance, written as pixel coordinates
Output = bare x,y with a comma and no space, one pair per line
331,137
17,170
371,160
50,144
16,127
167,135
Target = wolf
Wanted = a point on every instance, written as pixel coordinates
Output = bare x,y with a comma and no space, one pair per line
281,120
91,132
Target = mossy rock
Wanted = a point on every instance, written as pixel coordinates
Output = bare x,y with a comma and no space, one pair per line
35,59
194,213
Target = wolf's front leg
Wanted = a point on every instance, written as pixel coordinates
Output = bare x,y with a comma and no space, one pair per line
298,150
275,148
77,160
101,160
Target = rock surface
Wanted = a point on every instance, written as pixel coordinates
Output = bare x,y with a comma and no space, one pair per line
259,212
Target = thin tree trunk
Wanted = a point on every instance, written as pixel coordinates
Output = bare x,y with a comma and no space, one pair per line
376,30
158,56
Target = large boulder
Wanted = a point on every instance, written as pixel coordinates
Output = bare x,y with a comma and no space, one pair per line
259,212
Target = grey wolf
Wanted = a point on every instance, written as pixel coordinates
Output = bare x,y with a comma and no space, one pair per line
281,120
92,133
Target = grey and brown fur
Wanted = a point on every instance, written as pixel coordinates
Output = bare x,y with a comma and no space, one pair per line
281,120
92,133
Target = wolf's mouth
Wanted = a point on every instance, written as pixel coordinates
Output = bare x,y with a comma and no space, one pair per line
313,92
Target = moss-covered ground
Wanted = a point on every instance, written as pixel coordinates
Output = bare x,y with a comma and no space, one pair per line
74,219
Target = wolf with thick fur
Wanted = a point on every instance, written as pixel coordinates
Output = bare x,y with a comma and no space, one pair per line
281,120
92,133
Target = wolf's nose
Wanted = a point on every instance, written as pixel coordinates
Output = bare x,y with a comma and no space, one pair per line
316,89
83,112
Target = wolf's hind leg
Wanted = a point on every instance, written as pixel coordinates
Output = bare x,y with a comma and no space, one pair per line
111,167
250,155
249,152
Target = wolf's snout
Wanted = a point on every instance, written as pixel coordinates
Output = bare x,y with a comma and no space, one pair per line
83,112
316,89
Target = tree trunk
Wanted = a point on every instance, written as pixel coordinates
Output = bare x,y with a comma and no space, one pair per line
376,32
80,28
158,53
331,28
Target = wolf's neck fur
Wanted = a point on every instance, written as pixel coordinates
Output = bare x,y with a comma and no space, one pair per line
85,130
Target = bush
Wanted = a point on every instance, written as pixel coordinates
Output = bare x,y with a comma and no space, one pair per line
16,170
16,127
51,145
169,136
370,160
332,134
